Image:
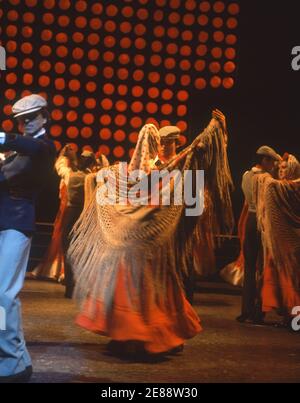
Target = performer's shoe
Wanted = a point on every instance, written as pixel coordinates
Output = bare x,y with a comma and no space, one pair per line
21,377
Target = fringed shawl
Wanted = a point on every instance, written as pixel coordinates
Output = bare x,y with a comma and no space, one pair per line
107,236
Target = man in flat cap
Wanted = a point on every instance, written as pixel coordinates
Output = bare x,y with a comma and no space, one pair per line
266,159
21,176
169,141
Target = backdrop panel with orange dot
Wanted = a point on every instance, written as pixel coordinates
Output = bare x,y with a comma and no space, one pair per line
108,67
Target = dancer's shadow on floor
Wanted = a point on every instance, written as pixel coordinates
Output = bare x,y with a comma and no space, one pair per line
59,377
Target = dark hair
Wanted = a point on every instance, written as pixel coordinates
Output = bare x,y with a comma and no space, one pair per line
258,159
86,162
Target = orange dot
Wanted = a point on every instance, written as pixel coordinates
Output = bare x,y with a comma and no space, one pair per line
138,75
185,65
174,18
105,134
122,89
49,4
7,125
62,51
109,41
174,3
108,89
97,8
73,102
133,137
200,65
45,50
125,27
190,5
185,80
26,48
11,30
140,43
80,5
154,77
204,6
124,58
95,23
110,26
58,100
185,50
123,74
59,83
91,71
164,122
11,62
61,38
7,109
159,31
140,29
167,94
152,121
181,110
182,125
215,67
170,63
111,10
217,53
108,72
188,19
139,60
48,18
105,120
88,118
10,94
200,83
125,43
74,85
121,106
231,39
104,150
78,37
187,35
57,145
11,78
233,8
31,3
93,55
161,3
182,95
71,116
151,107
78,53
75,69
142,14
27,32
64,4
173,32
232,23
72,132
27,64
118,152
80,22
137,91
136,122
11,46
86,132
158,15
170,79
219,6
93,39
107,104
44,81
56,131
119,135
137,107
202,20
228,82
215,82
229,67
63,20
59,67
230,53
201,50
57,114
218,22
28,18
120,120
153,92
172,48
127,12
108,56
166,109
218,36
155,60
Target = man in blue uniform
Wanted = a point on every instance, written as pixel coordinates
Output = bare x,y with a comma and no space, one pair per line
22,174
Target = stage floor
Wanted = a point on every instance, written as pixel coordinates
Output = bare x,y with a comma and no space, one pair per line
225,351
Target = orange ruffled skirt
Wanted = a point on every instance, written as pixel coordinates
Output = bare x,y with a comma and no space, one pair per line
137,315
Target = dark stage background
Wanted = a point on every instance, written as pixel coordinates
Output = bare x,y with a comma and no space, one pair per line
261,100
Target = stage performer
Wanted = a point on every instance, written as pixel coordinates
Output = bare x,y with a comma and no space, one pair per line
21,177
129,259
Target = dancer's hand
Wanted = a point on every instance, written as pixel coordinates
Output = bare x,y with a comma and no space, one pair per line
220,117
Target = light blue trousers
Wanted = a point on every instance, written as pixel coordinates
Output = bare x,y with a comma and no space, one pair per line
14,254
